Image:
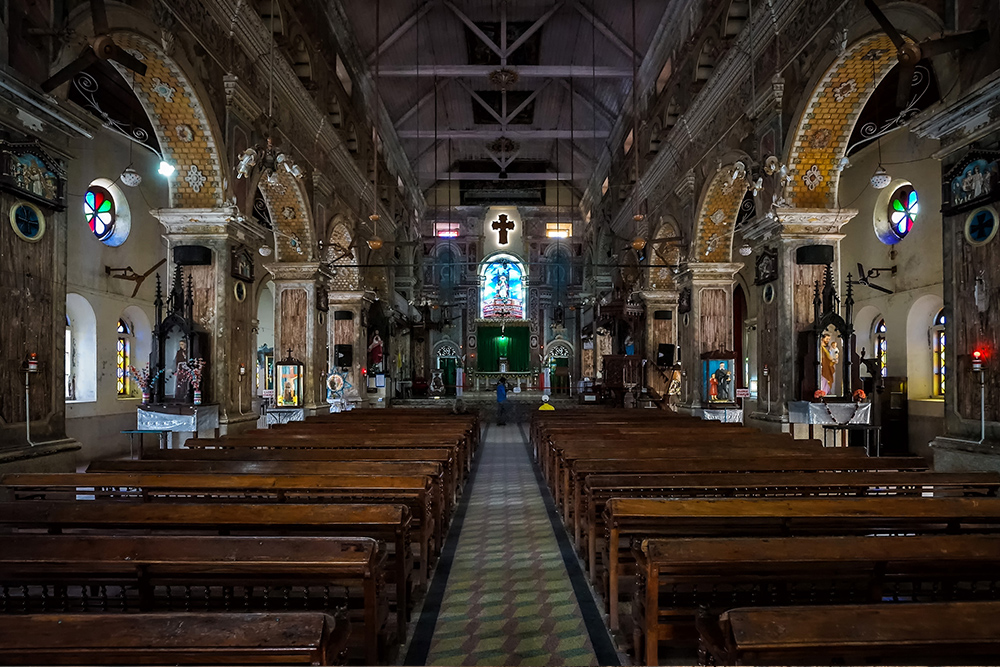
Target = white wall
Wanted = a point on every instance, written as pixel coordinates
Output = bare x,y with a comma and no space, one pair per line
97,422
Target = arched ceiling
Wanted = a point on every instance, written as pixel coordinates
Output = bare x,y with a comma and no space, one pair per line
439,55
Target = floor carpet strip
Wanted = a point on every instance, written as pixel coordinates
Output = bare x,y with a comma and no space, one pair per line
508,598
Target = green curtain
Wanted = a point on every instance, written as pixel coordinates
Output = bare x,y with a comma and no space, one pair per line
490,349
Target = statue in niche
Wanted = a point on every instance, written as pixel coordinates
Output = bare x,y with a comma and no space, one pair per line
829,353
723,378
182,383
375,353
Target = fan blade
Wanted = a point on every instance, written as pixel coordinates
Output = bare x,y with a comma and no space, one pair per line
890,29
963,40
99,16
879,288
155,267
121,56
86,58
905,85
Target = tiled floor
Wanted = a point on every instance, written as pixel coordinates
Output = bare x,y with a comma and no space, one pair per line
509,599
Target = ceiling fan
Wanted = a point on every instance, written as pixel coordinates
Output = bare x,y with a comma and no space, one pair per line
865,278
100,47
909,53
128,274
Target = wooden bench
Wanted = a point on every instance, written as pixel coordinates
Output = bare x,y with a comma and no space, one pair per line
235,467
678,577
443,456
581,470
642,518
943,633
116,574
304,638
386,523
414,492
598,489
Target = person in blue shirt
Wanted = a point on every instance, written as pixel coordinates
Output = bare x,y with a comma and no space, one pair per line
502,401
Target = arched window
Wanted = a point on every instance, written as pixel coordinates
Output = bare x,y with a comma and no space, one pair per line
123,359
502,288
69,373
938,347
880,344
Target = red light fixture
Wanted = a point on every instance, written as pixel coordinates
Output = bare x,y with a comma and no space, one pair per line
977,361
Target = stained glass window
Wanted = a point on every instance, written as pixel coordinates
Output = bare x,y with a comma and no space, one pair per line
903,209
28,222
502,288
99,209
938,341
880,345
123,358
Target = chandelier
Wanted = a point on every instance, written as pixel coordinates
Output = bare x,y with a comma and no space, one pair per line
269,160
503,145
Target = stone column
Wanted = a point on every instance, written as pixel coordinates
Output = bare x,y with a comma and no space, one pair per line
349,332
708,325
791,310
228,320
300,326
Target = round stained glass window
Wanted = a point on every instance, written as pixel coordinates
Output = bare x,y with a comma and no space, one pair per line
981,226
99,209
903,209
27,221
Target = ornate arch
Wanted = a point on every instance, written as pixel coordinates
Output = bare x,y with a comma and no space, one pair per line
288,207
186,133
345,258
664,252
559,348
820,141
713,239
447,348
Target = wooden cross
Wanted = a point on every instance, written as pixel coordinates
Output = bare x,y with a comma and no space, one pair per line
503,226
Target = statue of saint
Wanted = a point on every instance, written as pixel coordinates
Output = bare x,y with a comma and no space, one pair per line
724,377
375,354
829,353
183,383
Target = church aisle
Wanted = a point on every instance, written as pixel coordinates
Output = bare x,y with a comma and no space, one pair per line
509,599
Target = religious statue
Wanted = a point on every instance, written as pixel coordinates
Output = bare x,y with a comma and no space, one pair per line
713,389
375,354
723,378
829,354
629,345
183,382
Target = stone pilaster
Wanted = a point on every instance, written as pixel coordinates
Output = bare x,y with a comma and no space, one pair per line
659,331
791,310
228,320
349,332
300,326
708,325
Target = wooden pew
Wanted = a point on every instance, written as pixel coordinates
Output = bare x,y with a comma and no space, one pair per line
234,467
643,518
598,489
386,523
304,638
677,577
441,455
140,573
942,633
827,460
414,492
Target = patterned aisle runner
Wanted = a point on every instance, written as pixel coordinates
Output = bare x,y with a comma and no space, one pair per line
509,599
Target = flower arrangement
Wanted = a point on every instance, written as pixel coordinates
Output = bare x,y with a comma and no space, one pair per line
144,378
819,394
191,370
859,395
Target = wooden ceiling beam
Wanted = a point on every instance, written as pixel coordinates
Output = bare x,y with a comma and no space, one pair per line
403,28
421,102
508,51
483,103
606,114
487,133
606,30
524,71
470,24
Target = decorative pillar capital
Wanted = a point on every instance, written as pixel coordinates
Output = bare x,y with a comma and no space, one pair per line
703,274
193,224
303,272
805,224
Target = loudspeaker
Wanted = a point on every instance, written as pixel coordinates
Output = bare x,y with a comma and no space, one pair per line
663,314
814,254
343,356
665,354
192,255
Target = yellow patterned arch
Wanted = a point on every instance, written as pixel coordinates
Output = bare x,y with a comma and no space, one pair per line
713,240
820,141
182,126
288,207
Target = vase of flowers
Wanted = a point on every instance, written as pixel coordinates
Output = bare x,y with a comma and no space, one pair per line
859,395
191,370
145,379
819,395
